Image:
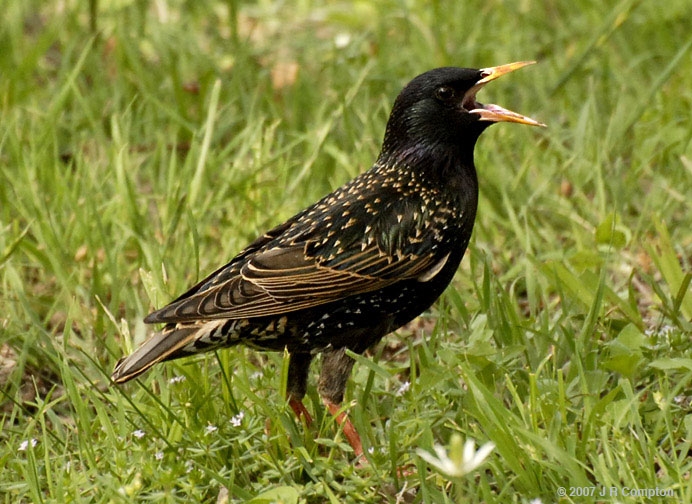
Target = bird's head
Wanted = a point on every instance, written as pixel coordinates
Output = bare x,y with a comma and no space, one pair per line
439,110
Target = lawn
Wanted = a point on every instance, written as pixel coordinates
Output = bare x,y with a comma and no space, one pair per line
143,144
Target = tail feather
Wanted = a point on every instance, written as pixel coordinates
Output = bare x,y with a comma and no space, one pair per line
161,346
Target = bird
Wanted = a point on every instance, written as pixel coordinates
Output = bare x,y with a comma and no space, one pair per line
356,265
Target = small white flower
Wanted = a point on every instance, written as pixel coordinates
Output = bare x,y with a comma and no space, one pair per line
237,419
189,466
158,455
371,450
25,444
459,462
210,428
665,331
668,331
342,40
256,375
177,379
536,501
403,388
139,433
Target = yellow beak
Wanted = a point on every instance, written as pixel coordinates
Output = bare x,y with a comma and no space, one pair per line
492,112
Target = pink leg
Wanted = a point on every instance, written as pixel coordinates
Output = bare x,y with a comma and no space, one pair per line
348,429
300,410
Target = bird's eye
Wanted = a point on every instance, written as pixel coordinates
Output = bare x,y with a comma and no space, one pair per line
445,93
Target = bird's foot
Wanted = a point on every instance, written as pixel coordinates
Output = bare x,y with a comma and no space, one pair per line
341,418
300,410
406,470
349,431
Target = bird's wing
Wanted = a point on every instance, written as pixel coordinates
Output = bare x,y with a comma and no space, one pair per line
274,276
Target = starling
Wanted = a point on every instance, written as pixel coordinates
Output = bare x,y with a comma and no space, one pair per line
358,264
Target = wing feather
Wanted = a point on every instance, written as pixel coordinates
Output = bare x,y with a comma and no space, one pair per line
288,270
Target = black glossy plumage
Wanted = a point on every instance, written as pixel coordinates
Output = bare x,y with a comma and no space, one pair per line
357,264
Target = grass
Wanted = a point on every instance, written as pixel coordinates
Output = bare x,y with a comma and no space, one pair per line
142,144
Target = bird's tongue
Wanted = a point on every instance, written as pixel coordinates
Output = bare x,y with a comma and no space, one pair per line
495,113
492,112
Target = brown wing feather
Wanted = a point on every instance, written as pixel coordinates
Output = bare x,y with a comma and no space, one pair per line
291,269
281,280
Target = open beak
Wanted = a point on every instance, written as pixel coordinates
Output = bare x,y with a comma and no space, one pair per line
491,112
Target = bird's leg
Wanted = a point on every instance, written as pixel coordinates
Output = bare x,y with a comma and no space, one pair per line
300,410
336,368
347,427
298,370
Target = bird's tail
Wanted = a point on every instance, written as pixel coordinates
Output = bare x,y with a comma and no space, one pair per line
172,342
